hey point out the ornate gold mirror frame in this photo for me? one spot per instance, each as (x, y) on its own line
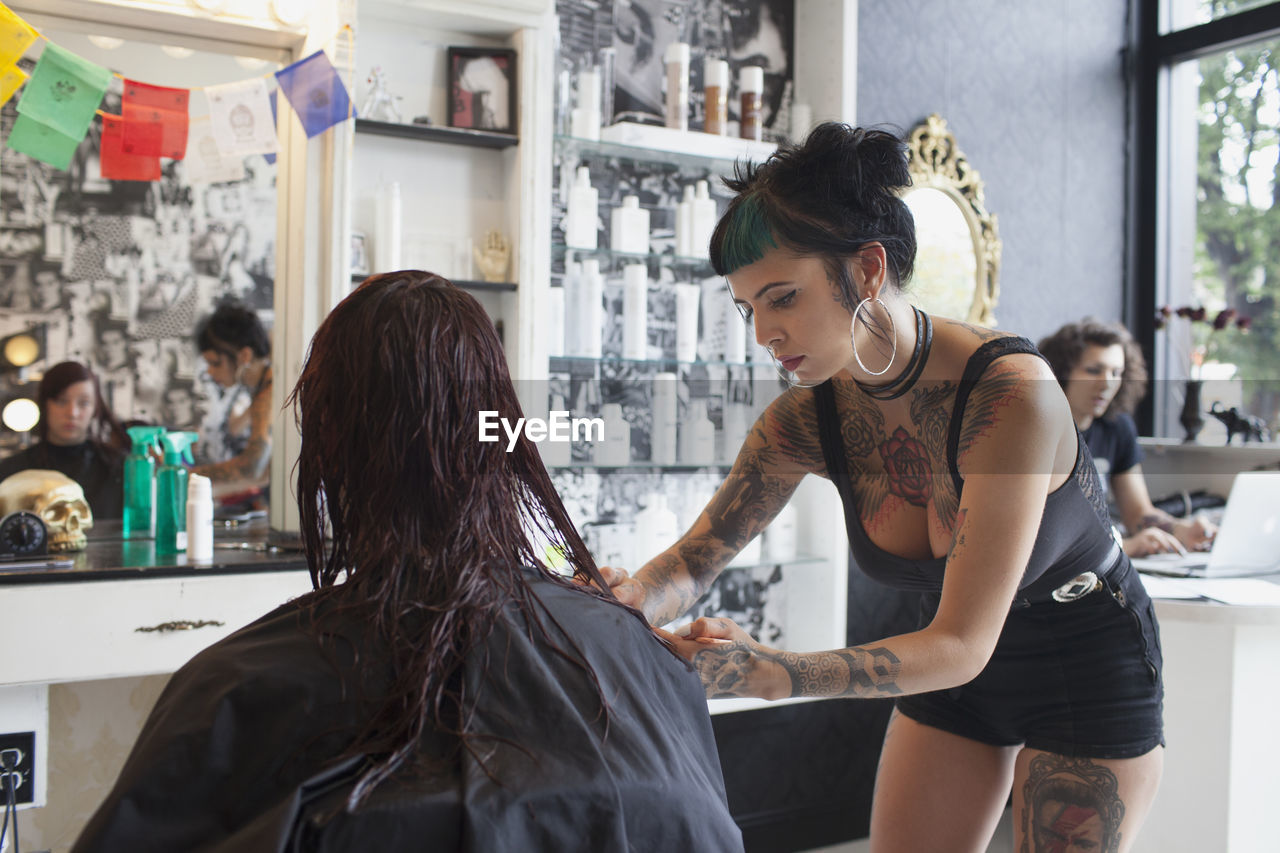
(936, 162)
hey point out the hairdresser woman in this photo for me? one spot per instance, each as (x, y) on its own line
(1035, 666)
(79, 436)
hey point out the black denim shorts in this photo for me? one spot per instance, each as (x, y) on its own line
(1078, 678)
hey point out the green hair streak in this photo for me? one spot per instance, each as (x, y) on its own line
(747, 236)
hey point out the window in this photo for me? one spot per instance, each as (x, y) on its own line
(1207, 223)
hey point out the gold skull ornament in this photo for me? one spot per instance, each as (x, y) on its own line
(56, 498)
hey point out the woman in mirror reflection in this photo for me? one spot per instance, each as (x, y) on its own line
(1104, 375)
(237, 352)
(1035, 666)
(79, 436)
(441, 688)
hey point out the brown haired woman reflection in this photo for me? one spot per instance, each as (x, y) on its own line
(440, 688)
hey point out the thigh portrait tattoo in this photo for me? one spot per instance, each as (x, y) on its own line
(1070, 805)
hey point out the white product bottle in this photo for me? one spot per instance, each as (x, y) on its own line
(629, 227)
(677, 59)
(688, 298)
(573, 298)
(656, 529)
(555, 322)
(199, 519)
(615, 450)
(581, 212)
(704, 220)
(684, 224)
(737, 420)
(585, 120)
(749, 555)
(665, 417)
(735, 334)
(635, 311)
(556, 453)
(780, 536)
(591, 311)
(751, 108)
(697, 436)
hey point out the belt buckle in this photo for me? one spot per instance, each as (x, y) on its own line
(1076, 588)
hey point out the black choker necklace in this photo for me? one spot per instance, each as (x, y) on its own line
(907, 378)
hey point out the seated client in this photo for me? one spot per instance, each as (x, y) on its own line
(79, 436)
(1101, 369)
(439, 688)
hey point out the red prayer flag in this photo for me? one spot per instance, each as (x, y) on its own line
(119, 165)
(155, 120)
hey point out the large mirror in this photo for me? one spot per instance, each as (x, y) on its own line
(958, 259)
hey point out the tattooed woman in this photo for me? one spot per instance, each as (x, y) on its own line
(1036, 663)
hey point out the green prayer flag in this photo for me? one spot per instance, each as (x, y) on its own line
(64, 91)
(42, 142)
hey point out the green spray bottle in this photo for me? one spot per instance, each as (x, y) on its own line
(171, 493)
(140, 483)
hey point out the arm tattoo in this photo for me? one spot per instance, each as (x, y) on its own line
(998, 388)
(1070, 804)
(859, 672)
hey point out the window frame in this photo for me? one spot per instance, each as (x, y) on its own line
(1153, 55)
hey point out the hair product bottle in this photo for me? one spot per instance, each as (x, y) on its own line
(751, 91)
(629, 227)
(697, 436)
(635, 311)
(677, 59)
(139, 520)
(715, 75)
(585, 121)
(688, 299)
(735, 335)
(556, 453)
(581, 212)
(615, 450)
(703, 221)
(591, 327)
(662, 447)
(684, 224)
(656, 529)
(199, 518)
(171, 493)
(780, 536)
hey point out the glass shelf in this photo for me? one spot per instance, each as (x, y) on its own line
(560, 252)
(567, 363)
(722, 163)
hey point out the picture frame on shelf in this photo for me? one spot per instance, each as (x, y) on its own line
(359, 253)
(482, 89)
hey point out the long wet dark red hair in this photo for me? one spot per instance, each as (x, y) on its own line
(428, 526)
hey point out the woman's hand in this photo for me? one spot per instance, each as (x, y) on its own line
(729, 662)
(1195, 533)
(625, 588)
(1152, 540)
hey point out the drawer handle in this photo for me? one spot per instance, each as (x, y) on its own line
(180, 625)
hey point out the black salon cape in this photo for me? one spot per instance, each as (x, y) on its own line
(238, 753)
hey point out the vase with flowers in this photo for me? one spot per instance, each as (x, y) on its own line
(1203, 349)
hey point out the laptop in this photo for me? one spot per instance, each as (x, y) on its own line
(1248, 540)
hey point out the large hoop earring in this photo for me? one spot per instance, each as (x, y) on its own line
(893, 330)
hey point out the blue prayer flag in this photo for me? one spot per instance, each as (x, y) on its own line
(316, 93)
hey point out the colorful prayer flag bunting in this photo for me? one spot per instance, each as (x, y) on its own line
(16, 36)
(205, 163)
(316, 93)
(64, 91)
(243, 117)
(11, 79)
(42, 142)
(118, 164)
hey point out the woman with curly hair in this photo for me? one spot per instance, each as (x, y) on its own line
(1035, 661)
(440, 688)
(1104, 375)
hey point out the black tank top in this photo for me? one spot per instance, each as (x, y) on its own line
(1075, 530)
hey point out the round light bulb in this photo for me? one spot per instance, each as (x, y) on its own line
(289, 12)
(106, 42)
(176, 52)
(21, 415)
(250, 62)
(21, 350)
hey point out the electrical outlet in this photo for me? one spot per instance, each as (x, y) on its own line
(21, 745)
